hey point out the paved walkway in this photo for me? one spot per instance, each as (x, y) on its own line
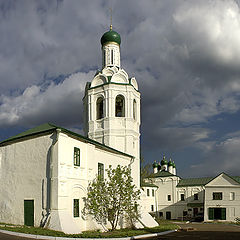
(204, 231)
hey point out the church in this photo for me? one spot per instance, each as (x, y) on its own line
(45, 171)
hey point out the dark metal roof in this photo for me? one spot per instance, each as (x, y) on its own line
(194, 181)
(161, 174)
(50, 128)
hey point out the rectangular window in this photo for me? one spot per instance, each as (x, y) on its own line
(217, 195)
(152, 208)
(160, 214)
(76, 207)
(153, 192)
(169, 197)
(101, 170)
(232, 196)
(196, 196)
(182, 197)
(148, 192)
(76, 156)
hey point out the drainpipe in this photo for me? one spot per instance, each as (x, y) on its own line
(51, 168)
(49, 182)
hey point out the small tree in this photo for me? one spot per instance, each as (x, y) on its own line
(112, 198)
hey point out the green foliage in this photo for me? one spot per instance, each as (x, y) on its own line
(146, 169)
(237, 219)
(91, 234)
(113, 198)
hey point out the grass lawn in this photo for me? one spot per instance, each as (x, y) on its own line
(165, 226)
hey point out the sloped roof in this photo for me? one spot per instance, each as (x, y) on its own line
(44, 128)
(144, 184)
(235, 178)
(49, 128)
(194, 181)
(161, 174)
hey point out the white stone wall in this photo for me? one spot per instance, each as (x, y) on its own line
(226, 186)
(148, 201)
(108, 51)
(24, 176)
(73, 180)
(121, 133)
(31, 166)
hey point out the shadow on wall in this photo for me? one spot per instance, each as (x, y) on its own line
(185, 209)
(46, 183)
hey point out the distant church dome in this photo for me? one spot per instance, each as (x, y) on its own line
(170, 163)
(164, 161)
(110, 36)
(155, 165)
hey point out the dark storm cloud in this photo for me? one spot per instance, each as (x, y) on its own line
(221, 156)
(185, 56)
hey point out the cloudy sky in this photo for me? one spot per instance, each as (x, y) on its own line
(184, 54)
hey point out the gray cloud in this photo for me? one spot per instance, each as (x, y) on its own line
(222, 156)
(184, 55)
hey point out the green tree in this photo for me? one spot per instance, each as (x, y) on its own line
(113, 198)
(146, 168)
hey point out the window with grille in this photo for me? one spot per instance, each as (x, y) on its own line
(217, 195)
(76, 160)
(101, 170)
(76, 207)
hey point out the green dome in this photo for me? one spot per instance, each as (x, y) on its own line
(170, 163)
(174, 165)
(164, 161)
(155, 165)
(110, 36)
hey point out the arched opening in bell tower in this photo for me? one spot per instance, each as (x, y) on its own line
(99, 107)
(134, 109)
(119, 106)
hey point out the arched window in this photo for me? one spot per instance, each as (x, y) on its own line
(112, 56)
(100, 108)
(119, 106)
(134, 109)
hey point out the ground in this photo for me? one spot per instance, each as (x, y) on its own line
(204, 231)
(190, 231)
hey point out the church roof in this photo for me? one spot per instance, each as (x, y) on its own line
(49, 128)
(161, 174)
(194, 181)
(202, 181)
(145, 184)
(110, 36)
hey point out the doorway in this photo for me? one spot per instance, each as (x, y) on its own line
(217, 213)
(195, 211)
(29, 212)
(168, 215)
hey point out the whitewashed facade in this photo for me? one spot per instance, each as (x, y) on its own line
(188, 199)
(46, 170)
(41, 168)
(222, 198)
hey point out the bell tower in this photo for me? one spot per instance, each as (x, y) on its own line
(112, 104)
